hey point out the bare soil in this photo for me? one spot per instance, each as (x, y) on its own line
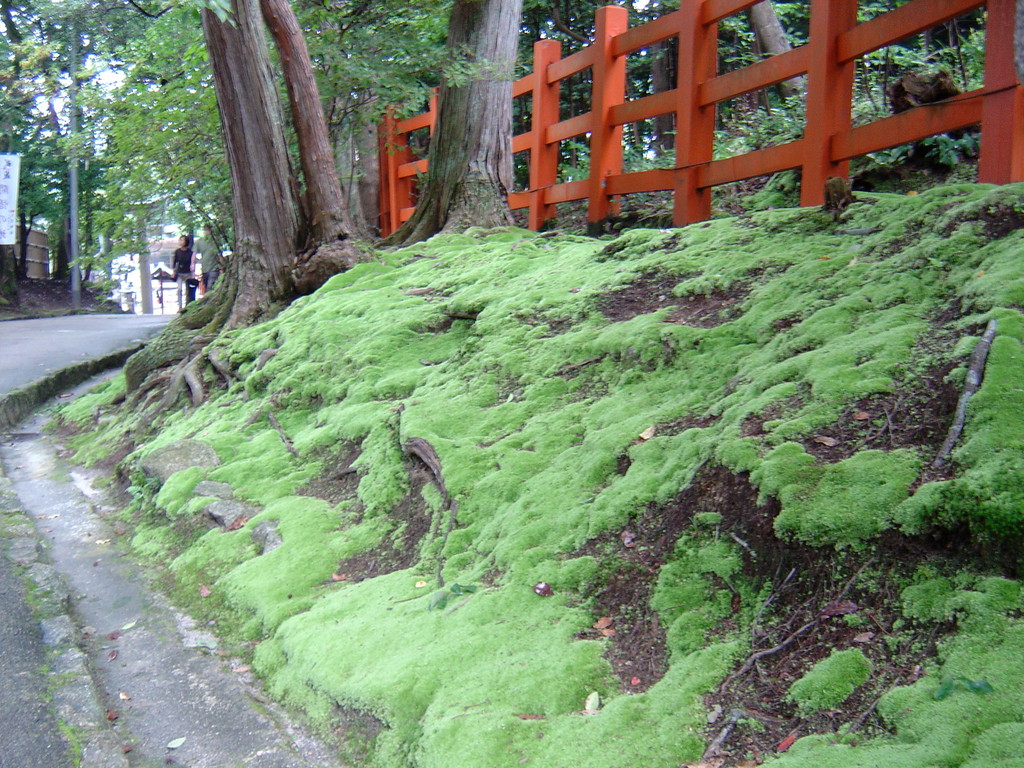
(52, 298)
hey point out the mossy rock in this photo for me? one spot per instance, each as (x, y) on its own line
(831, 681)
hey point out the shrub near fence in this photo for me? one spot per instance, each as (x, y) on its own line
(829, 139)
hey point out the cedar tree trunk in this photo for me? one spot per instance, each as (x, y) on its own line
(258, 272)
(470, 171)
(1018, 42)
(773, 41)
(324, 203)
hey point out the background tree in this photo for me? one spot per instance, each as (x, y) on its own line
(471, 157)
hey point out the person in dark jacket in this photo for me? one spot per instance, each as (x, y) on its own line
(184, 265)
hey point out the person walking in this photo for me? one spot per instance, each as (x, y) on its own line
(206, 249)
(184, 264)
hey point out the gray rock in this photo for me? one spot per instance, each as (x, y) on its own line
(184, 454)
(71, 662)
(226, 512)
(57, 631)
(214, 489)
(103, 751)
(76, 703)
(51, 584)
(266, 537)
(23, 551)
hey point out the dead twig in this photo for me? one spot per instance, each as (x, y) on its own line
(719, 740)
(284, 436)
(975, 373)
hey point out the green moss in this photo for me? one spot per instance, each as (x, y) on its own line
(831, 681)
(494, 347)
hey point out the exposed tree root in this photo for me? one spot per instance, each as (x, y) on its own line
(975, 373)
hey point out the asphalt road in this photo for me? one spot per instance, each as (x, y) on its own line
(30, 349)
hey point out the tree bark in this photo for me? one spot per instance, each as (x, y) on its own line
(1018, 42)
(327, 215)
(470, 170)
(258, 272)
(772, 39)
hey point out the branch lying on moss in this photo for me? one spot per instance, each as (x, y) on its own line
(975, 373)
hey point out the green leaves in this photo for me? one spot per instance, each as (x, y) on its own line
(949, 684)
(439, 600)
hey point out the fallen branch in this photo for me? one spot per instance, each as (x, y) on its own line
(284, 436)
(719, 740)
(975, 373)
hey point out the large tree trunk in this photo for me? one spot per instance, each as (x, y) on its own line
(772, 39)
(470, 170)
(1018, 42)
(324, 203)
(368, 183)
(257, 275)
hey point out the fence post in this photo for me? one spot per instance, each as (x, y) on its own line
(829, 96)
(695, 122)
(1002, 116)
(396, 193)
(543, 156)
(609, 89)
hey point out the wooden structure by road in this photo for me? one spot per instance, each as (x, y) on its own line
(829, 139)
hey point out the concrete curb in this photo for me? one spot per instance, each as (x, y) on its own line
(76, 698)
(17, 405)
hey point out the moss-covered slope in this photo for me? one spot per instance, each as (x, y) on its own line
(662, 428)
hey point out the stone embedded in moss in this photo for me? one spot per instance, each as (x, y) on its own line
(831, 681)
(174, 457)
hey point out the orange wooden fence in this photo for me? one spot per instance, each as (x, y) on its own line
(829, 141)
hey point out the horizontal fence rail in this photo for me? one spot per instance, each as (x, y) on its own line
(829, 141)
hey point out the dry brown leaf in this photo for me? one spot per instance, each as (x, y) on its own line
(112, 655)
(831, 442)
(864, 637)
(862, 416)
(421, 584)
(650, 432)
(604, 622)
(124, 696)
(242, 669)
(204, 591)
(237, 523)
(839, 608)
(340, 577)
(525, 716)
(607, 632)
(628, 538)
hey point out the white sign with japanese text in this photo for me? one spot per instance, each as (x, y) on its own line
(10, 165)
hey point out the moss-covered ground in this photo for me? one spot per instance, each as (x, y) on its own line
(707, 442)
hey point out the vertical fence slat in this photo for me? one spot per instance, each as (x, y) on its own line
(827, 136)
(829, 96)
(1002, 115)
(695, 123)
(609, 76)
(543, 156)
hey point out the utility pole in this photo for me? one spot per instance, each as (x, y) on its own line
(76, 275)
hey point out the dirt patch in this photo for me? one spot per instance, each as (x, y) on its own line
(401, 548)
(915, 416)
(805, 619)
(632, 558)
(708, 311)
(49, 298)
(648, 293)
(339, 480)
(652, 291)
(997, 221)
